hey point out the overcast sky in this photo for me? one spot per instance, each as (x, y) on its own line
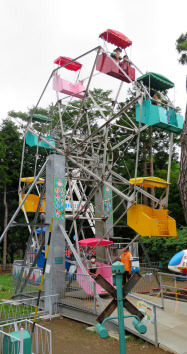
(34, 33)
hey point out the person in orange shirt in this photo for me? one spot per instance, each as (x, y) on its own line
(126, 259)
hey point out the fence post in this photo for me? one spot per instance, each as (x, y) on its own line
(155, 326)
(50, 352)
(162, 295)
(50, 306)
(21, 341)
(176, 298)
(94, 293)
(36, 340)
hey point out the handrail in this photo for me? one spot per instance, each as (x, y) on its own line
(139, 298)
(147, 301)
(10, 335)
(173, 287)
(173, 275)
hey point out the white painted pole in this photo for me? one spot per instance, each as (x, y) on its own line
(21, 341)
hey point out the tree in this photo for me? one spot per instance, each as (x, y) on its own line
(10, 154)
(181, 46)
(164, 248)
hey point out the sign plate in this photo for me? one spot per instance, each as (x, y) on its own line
(146, 310)
(108, 202)
(59, 198)
(59, 260)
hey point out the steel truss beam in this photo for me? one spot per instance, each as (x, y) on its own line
(23, 201)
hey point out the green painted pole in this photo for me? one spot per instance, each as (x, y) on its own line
(118, 269)
(119, 278)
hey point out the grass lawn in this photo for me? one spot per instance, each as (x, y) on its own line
(9, 310)
(5, 286)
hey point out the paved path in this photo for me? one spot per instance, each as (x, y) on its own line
(171, 324)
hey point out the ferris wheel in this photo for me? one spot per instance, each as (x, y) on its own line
(84, 134)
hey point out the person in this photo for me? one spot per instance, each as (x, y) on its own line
(126, 259)
(116, 54)
(93, 267)
(154, 96)
(125, 63)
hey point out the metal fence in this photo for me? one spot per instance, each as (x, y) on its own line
(146, 265)
(24, 309)
(77, 295)
(41, 343)
(173, 287)
(30, 280)
(151, 323)
(74, 294)
(148, 283)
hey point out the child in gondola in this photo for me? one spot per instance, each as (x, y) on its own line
(92, 267)
(116, 54)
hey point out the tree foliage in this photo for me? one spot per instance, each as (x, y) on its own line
(181, 46)
(164, 248)
(10, 154)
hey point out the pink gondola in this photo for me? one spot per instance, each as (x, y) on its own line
(64, 86)
(106, 65)
(104, 269)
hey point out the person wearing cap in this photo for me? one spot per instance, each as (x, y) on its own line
(126, 259)
(93, 267)
(116, 54)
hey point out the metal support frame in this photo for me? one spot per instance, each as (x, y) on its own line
(23, 201)
(86, 92)
(30, 239)
(137, 149)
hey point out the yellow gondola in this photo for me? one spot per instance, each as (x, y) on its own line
(31, 203)
(149, 182)
(32, 200)
(31, 179)
(148, 221)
